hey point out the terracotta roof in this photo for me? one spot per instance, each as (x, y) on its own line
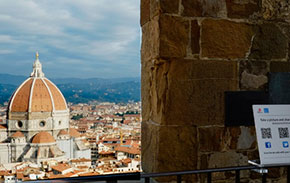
(131, 150)
(80, 160)
(17, 135)
(89, 174)
(43, 137)
(126, 161)
(82, 167)
(4, 172)
(106, 152)
(62, 132)
(52, 176)
(74, 133)
(61, 167)
(40, 92)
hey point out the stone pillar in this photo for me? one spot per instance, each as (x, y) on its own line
(192, 52)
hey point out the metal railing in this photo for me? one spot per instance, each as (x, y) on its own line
(209, 173)
(113, 178)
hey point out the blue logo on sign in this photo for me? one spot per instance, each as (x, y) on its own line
(285, 144)
(266, 110)
(268, 144)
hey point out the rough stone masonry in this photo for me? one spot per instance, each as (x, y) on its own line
(192, 52)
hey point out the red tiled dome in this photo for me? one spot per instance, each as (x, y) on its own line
(17, 135)
(37, 94)
(43, 137)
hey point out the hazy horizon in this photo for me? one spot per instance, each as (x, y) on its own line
(19, 75)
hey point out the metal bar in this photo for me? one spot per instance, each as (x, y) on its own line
(112, 181)
(178, 178)
(147, 179)
(237, 176)
(264, 178)
(208, 177)
(198, 171)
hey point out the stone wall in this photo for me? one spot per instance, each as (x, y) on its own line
(192, 52)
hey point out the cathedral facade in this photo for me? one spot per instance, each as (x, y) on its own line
(38, 124)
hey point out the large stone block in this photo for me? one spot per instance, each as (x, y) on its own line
(169, 6)
(195, 93)
(145, 11)
(159, 90)
(146, 89)
(225, 159)
(186, 69)
(192, 8)
(150, 40)
(205, 8)
(269, 43)
(190, 91)
(211, 138)
(243, 9)
(198, 102)
(150, 145)
(225, 39)
(174, 36)
(168, 148)
(158, 7)
(179, 145)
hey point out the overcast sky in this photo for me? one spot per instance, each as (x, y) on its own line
(74, 38)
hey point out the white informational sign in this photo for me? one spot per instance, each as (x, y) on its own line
(272, 124)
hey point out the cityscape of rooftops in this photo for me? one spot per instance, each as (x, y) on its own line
(70, 89)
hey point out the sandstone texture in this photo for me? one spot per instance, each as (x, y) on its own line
(169, 142)
(145, 12)
(269, 43)
(194, 82)
(174, 38)
(243, 9)
(169, 6)
(225, 39)
(193, 51)
(205, 8)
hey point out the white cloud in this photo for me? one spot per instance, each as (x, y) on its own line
(78, 30)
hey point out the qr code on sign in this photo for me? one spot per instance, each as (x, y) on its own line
(266, 133)
(283, 132)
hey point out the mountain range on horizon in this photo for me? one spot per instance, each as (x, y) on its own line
(77, 90)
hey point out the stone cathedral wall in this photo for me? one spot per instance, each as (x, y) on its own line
(192, 52)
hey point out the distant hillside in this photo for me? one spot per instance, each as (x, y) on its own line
(6, 91)
(78, 90)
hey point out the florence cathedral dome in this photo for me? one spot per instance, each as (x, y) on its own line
(37, 94)
(38, 123)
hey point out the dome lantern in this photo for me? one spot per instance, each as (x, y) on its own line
(37, 68)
